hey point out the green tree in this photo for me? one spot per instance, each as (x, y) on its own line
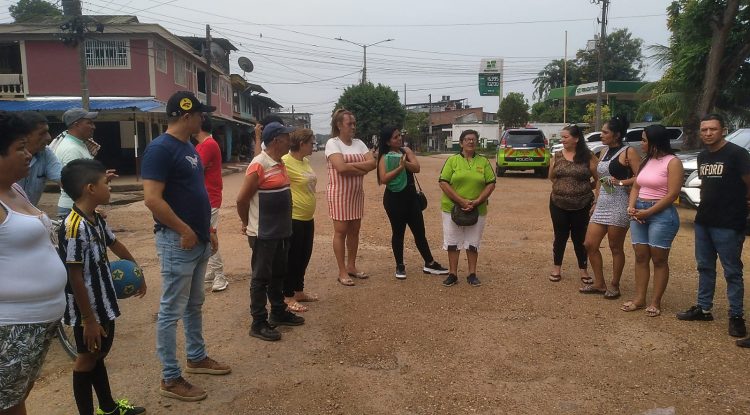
(416, 124)
(707, 64)
(590, 114)
(514, 110)
(553, 76)
(374, 107)
(29, 10)
(623, 60)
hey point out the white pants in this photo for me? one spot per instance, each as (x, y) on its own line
(215, 267)
(462, 237)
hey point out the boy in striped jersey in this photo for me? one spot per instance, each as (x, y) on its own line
(91, 303)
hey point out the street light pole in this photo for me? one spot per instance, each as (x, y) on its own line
(364, 49)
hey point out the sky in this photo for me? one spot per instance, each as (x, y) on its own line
(436, 48)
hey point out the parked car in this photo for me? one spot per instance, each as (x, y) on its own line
(523, 149)
(634, 135)
(690, 193)
(593, 141)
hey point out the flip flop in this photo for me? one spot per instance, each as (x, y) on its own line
(359, 275)
(306, 298)
(652, 311)
(345, 281)
(612, 294)
(631, 306)
(555, 277)
(590, 289)
(587, 280)
(295, 307)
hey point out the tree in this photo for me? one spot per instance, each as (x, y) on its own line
(706, 65)
(590, 114)
(514, 110)
(416, 124)
(374, 107)
(28, 10)
(553, 76)
(623, 59)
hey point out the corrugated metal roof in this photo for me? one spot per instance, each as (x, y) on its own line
(145, 105)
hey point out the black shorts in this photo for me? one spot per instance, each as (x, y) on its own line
(106, 343)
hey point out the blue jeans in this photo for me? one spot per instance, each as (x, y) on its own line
(658, 230)
(182, 296)
(727, 244)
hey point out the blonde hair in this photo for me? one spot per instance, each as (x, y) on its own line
(338, 116)
(300, 136)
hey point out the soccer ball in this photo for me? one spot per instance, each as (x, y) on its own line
(127, 278)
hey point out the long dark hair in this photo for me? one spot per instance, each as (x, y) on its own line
(583, 154)
(383, 147)
(619, 124)
(658, 143)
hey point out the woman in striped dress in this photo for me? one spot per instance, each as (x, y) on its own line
(349, 160)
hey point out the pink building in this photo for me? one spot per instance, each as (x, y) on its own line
(132, 68)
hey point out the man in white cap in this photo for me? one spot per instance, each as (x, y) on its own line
(80, 124)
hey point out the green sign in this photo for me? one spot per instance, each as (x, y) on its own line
(489, 84)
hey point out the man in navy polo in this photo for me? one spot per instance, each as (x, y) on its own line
(174, 192)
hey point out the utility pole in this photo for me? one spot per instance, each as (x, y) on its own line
(364, 47)
(429, 119)
(565, 82)
(77, 26)
(600, 65)
(209, 74)
(404, 94)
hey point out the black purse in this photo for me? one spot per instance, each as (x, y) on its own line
(420, 195)
(463, 217)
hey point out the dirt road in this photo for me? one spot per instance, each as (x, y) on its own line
(517, 345)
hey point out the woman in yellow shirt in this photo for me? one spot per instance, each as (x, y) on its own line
(303, 181)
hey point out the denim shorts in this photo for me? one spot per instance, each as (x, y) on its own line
(660, 228)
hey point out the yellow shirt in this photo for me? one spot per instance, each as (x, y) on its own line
(303, 181)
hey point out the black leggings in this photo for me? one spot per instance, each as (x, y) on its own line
(403, 209)
(571, 223)
(300, 251)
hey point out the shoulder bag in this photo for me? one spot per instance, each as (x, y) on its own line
(420, 195)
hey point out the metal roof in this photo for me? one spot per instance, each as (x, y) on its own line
(144, 105)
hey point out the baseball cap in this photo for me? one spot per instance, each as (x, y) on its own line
(74, 114)
(184, 102)
(274, 129)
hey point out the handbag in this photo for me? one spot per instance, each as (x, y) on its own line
(464, 217)
(420, 195)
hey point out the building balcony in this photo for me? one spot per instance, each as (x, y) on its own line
(11, 86)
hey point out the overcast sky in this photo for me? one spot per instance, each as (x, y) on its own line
(436, 48)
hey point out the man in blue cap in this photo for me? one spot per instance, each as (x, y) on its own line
(264, 204)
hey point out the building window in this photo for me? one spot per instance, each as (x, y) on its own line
(180, 70)
(161, 58)
(224, 92)
(103, 54)
(214, 84)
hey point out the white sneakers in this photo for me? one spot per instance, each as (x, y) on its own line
(220, 284)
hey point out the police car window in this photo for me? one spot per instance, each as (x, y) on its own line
(525, 138)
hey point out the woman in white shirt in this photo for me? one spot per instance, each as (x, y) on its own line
(32, 276)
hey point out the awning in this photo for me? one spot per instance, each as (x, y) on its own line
(144, 105)
(233, 120)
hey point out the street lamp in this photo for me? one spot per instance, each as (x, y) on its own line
(364, 47)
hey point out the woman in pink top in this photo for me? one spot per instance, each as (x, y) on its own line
(654, 220)
(349, 160)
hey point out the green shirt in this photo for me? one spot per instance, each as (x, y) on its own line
(392, 160)
(468, 178)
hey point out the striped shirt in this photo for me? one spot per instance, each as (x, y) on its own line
(345, 194)
(85, 243)
(270, 214)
